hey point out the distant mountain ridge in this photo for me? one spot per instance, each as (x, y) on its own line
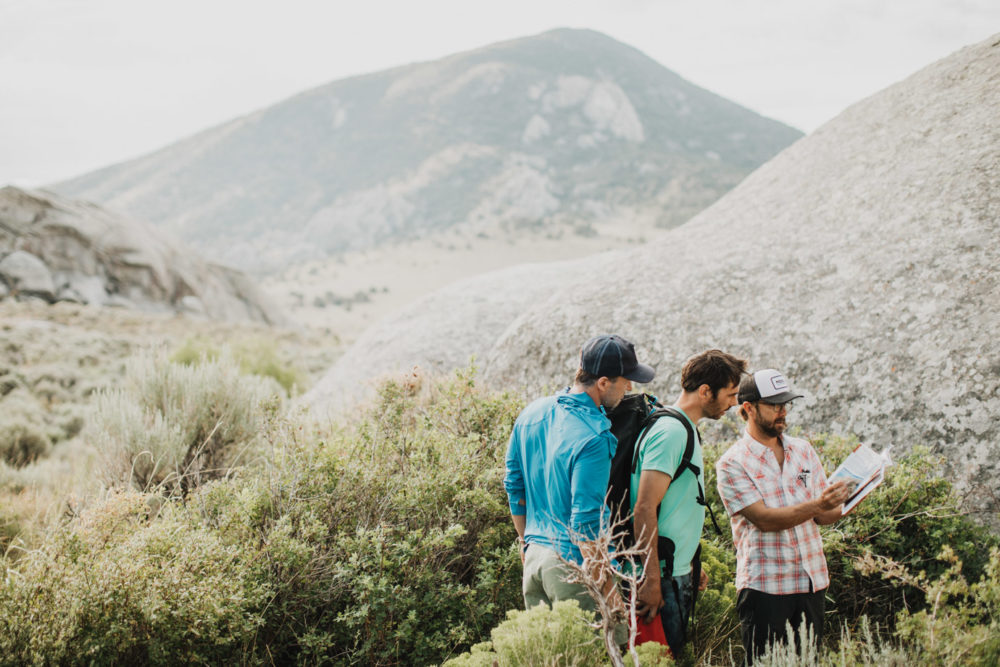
(535, 134)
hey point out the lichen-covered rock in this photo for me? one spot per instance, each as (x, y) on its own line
(862, 261)
(58, 249)
(27, 274)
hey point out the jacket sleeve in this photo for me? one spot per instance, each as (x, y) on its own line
(513, 481)
(588, 487)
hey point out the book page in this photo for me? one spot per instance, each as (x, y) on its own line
(857, 469)
(860, 493)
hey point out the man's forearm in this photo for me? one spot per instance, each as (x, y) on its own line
(647, 537)
(520, 522)
(774, 519)
(829, 516)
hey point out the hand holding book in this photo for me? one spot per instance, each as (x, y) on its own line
(862, 471)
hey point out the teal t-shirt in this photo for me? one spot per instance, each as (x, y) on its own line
(681, 516)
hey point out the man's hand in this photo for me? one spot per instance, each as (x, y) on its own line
(833, 496)
(649, 598)
(703, 582)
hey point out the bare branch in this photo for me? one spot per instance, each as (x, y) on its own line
(604, 559)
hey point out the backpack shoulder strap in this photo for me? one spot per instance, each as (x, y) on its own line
(655, 411)
(688, 447)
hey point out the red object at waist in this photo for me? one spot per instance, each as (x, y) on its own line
(650, 632)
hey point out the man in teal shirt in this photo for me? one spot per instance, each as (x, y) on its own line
(709, 383)
(558, 464)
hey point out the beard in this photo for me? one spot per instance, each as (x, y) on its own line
(772, 428)
(715, 409)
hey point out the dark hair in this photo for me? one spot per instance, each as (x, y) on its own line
(713, 367)
(585, 379)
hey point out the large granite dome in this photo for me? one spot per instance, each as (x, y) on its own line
(861, 261)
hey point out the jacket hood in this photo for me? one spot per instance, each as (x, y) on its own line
(583, 406)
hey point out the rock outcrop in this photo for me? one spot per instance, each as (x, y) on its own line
(56, 249)
(862, 261)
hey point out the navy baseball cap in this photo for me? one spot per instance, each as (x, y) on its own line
(612, 357)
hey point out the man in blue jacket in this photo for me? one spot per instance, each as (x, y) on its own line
(558, 464)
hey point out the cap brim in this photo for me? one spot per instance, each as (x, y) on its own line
(783, 397)
(642, 373)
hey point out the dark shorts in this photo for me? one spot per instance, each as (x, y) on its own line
(763, 617)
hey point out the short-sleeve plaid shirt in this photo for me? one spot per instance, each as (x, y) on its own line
(781, 562)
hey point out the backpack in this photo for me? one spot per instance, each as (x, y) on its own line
(630, 419)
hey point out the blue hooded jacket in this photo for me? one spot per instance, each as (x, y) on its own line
(558, 464)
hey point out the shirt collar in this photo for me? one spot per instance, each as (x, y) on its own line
(759, 449)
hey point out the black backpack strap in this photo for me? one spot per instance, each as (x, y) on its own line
(695, 583)
(686, 460)
(655, 412)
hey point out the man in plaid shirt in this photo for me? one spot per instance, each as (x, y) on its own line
(775, 490)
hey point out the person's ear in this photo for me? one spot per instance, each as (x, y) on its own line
(705, 393)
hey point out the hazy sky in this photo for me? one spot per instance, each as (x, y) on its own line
(86, 83)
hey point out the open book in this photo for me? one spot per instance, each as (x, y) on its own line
(863, 470)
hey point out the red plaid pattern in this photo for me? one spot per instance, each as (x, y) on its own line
(785, 561)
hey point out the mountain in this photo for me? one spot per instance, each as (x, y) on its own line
(539, 135)
(862, 262)
(56, 249)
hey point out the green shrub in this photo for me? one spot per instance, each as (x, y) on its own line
(259, 356)
(9, 381)
(909, 519)
(558, 636)
(715, 629)
(960, 624)
(10, 528)
(22, 442)
(386, 543)
(195, 351)
(255, 356)
(175, 426)
(117, 587)
(389, 542)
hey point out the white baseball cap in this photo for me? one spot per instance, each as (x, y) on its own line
(767, 386)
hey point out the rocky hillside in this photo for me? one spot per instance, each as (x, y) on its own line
(861, 261)
(55, 249)
(546, 135)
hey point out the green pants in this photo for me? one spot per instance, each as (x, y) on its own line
(545, 581)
